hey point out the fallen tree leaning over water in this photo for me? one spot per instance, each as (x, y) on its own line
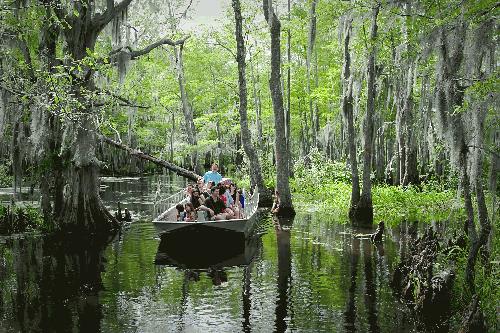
(139, 154)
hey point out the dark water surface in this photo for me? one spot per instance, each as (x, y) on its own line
(305, 275)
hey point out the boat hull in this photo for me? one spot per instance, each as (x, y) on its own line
(236, 225)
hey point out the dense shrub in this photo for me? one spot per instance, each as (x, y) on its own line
(19, 219)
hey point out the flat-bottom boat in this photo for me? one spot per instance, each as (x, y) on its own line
(167, 222)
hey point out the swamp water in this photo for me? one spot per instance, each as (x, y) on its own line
(305, 275)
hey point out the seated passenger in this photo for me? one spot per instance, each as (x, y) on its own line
(180, 212)
(222, 191)
(190, 215)
(214, 206)
(212, 175)
(200, 185)
(189, 191)
(237, 203)
(229, 198)
(196, 199)
(208, 190)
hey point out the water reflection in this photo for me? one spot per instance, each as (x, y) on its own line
(51, 285)
(206, 249)
(312, 274)
(283, 240)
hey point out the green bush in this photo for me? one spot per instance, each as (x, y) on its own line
(20, 219)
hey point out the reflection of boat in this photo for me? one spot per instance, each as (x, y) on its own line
(166, 221)
(204, 247)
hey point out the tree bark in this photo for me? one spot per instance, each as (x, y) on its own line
(255, 169)
(310, 48)
(282, 157)
(256, 95)
(363, 213)
(347, 111)
(188, 113)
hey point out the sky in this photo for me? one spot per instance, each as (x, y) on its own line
(205, 12)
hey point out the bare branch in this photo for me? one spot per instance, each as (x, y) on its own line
(125, 101)
(184, 13)
(149, 48)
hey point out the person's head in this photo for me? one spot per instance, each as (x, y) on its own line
(189, 189)
(210, 184)
(214, 167)
(196, 193)
(200, 183)
(232, 186)
(215, 192)
(180, 208)
(189, 207)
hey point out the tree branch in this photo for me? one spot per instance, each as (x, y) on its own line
(124, 100)
(101, 20)
(134, 54)
(139, 154)
(149, 48)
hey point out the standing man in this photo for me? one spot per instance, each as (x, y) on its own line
(213, 175)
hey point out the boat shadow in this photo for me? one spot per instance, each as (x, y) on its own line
(203, 248)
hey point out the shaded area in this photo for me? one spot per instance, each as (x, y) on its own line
(311, 275)
(201, 247)
(51, 285)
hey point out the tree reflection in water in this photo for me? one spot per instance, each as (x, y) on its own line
(53, 284)
(362, 248)
(282, 227)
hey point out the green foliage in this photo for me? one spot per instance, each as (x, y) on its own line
(326, 186)
(20, 219)
(395, 204)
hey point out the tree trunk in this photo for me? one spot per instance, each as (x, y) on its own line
(411, 172)
(310, 48)
(363, 212)
(288, 91)
(255, 169)
(347, 111)
(188, 113)
(256, 95)
(282, 157)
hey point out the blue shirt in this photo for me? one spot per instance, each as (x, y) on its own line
(212, 176)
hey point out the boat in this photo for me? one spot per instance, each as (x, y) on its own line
(166, 221)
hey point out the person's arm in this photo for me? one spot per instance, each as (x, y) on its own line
(206, 209)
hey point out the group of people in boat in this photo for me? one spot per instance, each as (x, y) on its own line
(212, 198)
